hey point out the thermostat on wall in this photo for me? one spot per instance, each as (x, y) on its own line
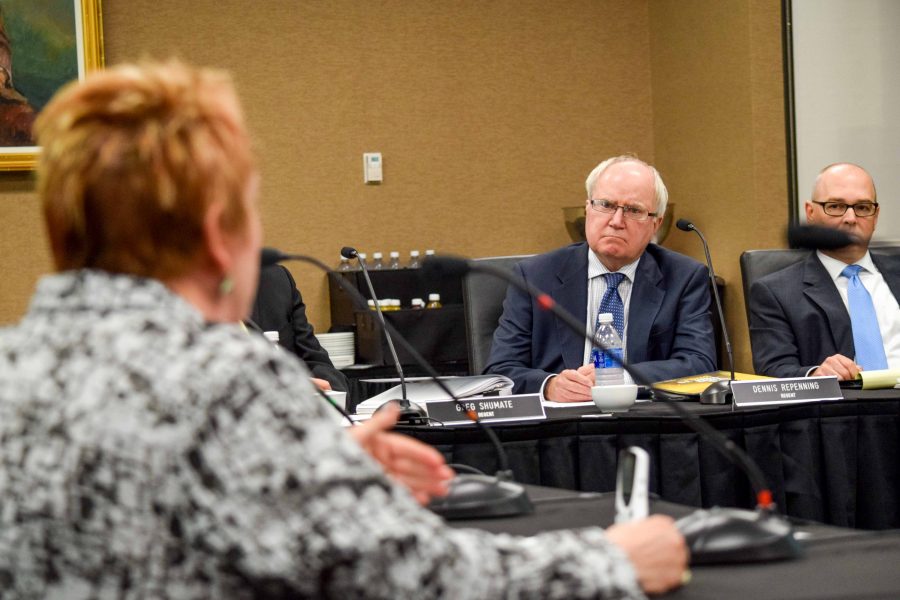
(372, 172)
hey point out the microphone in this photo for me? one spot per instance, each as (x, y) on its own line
(718, 535)
(720, 391)
(816, 237)
(410, 412)
(271, 256)
(470, 496)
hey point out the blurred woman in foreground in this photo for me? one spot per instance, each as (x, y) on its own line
(150, 448)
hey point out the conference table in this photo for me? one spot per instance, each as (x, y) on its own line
(832, 462)
(836, 564)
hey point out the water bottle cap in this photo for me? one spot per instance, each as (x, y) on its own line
(434, 297)
(370, 303)
(605, 318)
(376, 255)
(416, 301)
(413, 252)
(362, 255)
(395, 254)
(429, 253)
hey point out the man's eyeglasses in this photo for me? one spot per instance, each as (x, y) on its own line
(837, 209)
(632, 213)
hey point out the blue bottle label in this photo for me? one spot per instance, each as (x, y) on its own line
(611, 358)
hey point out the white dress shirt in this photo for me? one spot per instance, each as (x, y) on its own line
(887, 311)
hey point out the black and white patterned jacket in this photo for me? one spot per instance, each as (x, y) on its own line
(149, 454)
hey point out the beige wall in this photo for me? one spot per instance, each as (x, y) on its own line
(488, 114)
(23, 250)
(719, 133)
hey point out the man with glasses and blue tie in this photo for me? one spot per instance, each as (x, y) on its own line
(660, 300)
(836, 312)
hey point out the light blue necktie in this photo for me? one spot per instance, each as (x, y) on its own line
(611, 303)
(866, 334)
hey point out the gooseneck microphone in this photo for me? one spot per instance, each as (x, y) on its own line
(410, 413)
(719, 535)
(271, 256)
(816, 237)
(720, 391)
(470, 496)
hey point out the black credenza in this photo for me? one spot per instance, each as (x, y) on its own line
(439, 334)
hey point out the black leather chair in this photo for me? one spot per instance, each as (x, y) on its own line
(756, 264)
(483, 296)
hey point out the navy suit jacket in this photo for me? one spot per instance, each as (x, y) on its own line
(797, 317)
(669, 334)
(279, 307)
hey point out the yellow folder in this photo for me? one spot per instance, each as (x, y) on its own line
(693, 385)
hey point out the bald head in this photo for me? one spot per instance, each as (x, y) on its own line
(842, 173)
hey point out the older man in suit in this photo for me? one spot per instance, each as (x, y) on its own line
(836, 312)
(660, 299)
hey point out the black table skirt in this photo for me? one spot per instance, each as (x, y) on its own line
(834, 462)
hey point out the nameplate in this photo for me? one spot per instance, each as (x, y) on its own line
(795, 390)
(490, 409)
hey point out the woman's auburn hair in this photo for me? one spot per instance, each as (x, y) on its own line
(131, 160)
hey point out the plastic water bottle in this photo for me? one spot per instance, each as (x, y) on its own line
(344, 265)
(608, 360)
(434, 301)
(395, 260)
(377, 261)
(414, 262)
(362, 255)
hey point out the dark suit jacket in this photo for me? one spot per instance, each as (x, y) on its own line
(279, 307)
(670, 332)
(797, 317)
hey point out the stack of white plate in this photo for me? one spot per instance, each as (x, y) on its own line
(339, 347)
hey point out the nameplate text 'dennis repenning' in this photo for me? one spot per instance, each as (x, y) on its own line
(786, 391)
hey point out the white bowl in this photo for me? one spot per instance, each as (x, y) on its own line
(614, 398)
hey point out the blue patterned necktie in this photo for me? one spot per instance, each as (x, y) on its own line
(611, 303)
(866, 334)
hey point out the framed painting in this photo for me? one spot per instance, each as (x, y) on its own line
(44, 44)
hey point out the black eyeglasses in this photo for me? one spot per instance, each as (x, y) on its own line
(633, 213)
(837, 209)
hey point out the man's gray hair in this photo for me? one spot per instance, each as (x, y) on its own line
(662, 194)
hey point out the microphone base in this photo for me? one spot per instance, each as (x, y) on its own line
(733, 536)
(410, 412)
(717, 393)
(482, 497)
